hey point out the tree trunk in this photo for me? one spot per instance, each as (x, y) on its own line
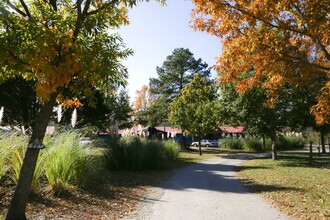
(199, 147)
(20, 198)
(322, 142)
(310, 152)
(274, 151)
(263, 142)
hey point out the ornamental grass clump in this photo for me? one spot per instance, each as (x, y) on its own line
(134, 153)
(7, 143)
(231, 144)
(170, 149)
(12, 150)
(252, 144)
(285, 142)
(68, 163)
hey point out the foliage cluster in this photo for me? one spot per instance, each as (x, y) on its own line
(135, 153)
(177, 71)
(283, 42)
(64, 163)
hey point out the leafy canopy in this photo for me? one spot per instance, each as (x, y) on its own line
(195, 110)
(284, 42)
(177, 71)
(63, 44)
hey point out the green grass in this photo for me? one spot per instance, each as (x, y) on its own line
(296, 187)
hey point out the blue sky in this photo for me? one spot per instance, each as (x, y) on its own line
(155, 31)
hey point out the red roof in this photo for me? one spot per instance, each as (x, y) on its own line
(238, 129)
(136, 130)
(169, 129)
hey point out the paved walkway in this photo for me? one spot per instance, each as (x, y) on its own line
(207, 190)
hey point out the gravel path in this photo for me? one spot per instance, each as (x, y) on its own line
(207, 190)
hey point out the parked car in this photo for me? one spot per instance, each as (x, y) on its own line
(206, 143)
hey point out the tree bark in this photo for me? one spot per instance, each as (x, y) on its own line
(20, 198)
(323, 142)
(199, 147)
(274, 151)
(310, 152)
(263, 142)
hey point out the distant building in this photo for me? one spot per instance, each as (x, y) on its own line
(231, 132)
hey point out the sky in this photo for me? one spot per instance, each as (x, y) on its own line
(155, 31)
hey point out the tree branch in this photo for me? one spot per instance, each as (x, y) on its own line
(78, 21)
(102, 7)
(53, 3)
(16, 9)
(25, 8)
(264, 20)
(315, 39)
(87, 5)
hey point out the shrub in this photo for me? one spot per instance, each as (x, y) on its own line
(252, 144)
(231, 144)
(134, 153)
(152, 155)
(284, 143)
(125, 154)
(171, 150)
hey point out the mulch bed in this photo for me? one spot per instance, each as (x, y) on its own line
(115, 197)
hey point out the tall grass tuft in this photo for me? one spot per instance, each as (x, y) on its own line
(231, 144)
(68, 163)
(6, 148)
(13, 147)
(134, 153)
(252, 144)
(284, 142)
(171, 150)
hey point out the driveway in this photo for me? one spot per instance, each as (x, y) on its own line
(207, 190)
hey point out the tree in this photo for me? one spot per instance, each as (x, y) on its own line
(142, 98)
(176, 72)
(195, 110)
(285, 41)
(250, 110)
(143, 102)
(60, 45)
(121, 110)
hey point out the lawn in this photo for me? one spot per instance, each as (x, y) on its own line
(299, 189)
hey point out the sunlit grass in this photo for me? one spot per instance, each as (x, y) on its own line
(68, 163)
(297, 188)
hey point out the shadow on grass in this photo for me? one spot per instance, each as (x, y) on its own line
(301, 159)
(261, 188)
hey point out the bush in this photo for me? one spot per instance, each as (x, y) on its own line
(252, 144)
(135, 153)
(124, 154)
(171, 150)
(284, 143)
(231, 144)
